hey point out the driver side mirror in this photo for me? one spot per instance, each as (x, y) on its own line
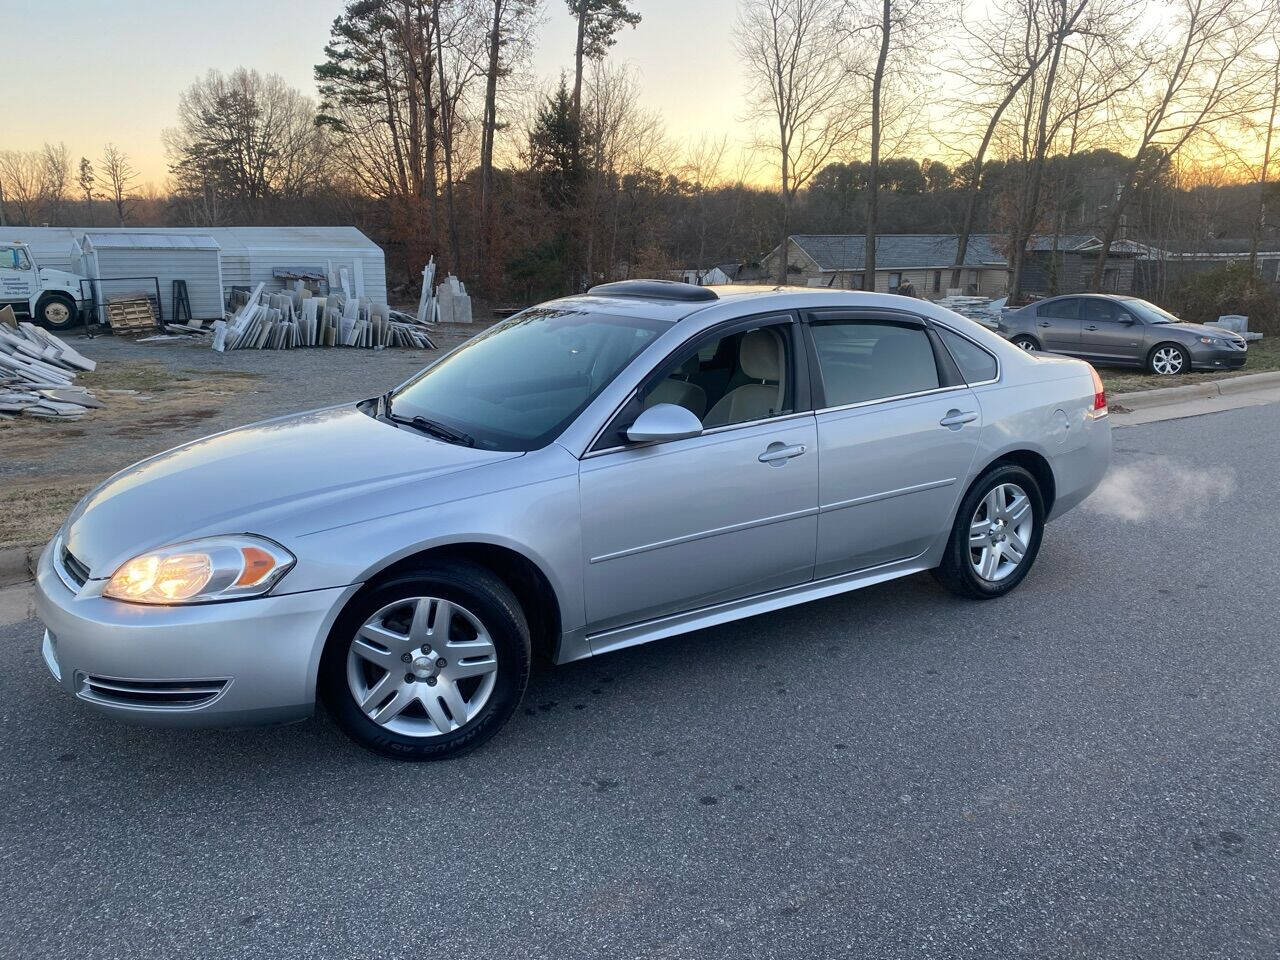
(664, 421)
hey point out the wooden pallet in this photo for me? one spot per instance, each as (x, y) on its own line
(131, 316)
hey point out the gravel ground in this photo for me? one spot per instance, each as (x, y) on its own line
(1086, 768)
(176, 391)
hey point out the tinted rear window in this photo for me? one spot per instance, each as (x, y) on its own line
(1065, 309)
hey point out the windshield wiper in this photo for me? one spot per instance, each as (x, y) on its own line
(436, 429)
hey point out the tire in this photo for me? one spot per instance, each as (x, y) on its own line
(481, 608)
(1168, 360)
(1024, 342)
(57, 312)
(957, 571)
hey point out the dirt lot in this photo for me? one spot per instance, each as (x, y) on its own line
(161, 394)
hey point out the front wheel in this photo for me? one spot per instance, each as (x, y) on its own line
(1168, 360)
(428, 664)
(57, 312)
(996, 535)
(1026, 343)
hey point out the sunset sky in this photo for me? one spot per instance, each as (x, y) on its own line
(93, 72)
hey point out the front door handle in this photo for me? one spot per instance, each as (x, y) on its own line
(778, 452)
(1091, 327)
(957, 418)
(1044, 323)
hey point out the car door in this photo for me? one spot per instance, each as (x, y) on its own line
(897, 431)
(17, 277)
(674, 526)
(1058, 324)
(1109, 332)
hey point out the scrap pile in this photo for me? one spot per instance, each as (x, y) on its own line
(982, 309)
(296, 318)
(447, 303)
(37, 371)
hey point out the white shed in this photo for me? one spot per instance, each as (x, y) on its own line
(270, 255)
(122, 262)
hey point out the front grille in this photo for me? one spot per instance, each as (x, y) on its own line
(76, 570)
(174, 694)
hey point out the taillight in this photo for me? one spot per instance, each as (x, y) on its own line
(1099, 408)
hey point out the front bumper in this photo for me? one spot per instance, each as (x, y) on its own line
(1208, 358)
(235, 663)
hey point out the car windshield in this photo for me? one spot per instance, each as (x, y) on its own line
(1150, 312)
(518, 385)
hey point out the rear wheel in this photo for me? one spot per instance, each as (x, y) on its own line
(56, 312)
(1168, 360)
(429, 664)
(996, 535)
(1023, 342)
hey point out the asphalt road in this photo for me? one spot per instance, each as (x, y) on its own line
(1087, 768)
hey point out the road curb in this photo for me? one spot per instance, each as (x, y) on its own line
(1144, 399)
(18, 564)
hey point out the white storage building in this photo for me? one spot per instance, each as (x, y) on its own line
(150, 263)
(246, 256)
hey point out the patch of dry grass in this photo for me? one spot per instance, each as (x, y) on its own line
(54, 462)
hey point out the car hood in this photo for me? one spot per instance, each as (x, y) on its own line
(280, 478)
(1195, 329)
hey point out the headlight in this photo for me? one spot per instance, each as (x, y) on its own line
(199, 571)
(1215, 341)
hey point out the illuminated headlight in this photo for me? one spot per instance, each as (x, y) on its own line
(200, 571)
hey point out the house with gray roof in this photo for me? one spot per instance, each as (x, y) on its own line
(1054, 265)
(926, 259)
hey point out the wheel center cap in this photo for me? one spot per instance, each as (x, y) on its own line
(422, 666)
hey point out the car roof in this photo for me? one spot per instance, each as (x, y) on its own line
(735, 297)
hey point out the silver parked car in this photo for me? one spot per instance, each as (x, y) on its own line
(593, 473)
(1123, 331)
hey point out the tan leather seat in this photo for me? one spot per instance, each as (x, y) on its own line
(678, 390)
(760, 356)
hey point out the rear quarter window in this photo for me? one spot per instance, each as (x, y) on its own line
(976, 365)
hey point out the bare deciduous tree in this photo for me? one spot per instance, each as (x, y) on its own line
(120, 177)
(1201, 78)
(248, 139)
(888, 39)
(792, 56)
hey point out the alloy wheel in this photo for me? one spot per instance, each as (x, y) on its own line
(422, 666)
(1026, 343)
(1000, 532)
(1167, 361)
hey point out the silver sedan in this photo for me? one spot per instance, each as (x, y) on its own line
(593, 473)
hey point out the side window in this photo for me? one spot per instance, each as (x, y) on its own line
(1065, 309)
(736, 378)
(975, 363)
(14, 258)
(1096, 309)
(867, 360)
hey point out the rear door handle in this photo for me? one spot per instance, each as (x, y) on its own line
(777, 452)
(1044, 323)
(956, 418)
(1091, 327)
